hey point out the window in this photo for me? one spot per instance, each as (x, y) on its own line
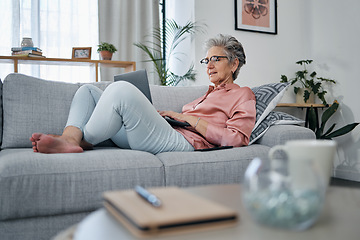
(56, 26)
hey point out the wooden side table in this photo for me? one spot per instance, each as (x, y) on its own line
(307, 106)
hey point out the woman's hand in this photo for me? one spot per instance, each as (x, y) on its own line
(197, 123)
(177, 116)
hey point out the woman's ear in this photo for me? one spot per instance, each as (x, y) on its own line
(235, 65)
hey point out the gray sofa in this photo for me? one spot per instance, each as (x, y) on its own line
(41, 194)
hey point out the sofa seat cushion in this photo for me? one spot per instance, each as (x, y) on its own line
(35, 184)
(212, 167)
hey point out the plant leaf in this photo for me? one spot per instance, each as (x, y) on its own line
(296, 90)
(306, 95)
(284, 79)
(313, 74)
(312, 119)
(321, 96)
(326, 80)
(342, 130)
(330, 129)
(328, 113)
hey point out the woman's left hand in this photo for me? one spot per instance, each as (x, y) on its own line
(198, 124)
(177, 116)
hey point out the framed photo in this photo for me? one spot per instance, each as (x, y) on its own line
(81, 52)
(256, 16)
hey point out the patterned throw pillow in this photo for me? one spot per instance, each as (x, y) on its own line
(273, 118)
(267, 97)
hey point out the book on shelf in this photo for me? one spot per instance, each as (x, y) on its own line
(28, 55)
(18, 49)
(26, 52)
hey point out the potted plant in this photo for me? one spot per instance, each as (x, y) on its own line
(106, 50)
(329, 133)
(308, 85)
(162, 48)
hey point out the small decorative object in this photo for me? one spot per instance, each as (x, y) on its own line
(274, 198)
(81, 52)
(27, 42)
(106, 50)
(256, 16)
(310, 84)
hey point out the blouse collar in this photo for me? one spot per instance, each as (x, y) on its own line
(226, 86)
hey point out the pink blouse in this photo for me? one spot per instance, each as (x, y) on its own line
(230, 112)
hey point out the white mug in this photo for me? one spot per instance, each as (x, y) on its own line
(320, 153)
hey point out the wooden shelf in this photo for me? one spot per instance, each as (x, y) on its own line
(307, 106)
(127, 65)
(301, 105)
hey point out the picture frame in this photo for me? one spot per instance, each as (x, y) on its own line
(81, 52)
(256, 16)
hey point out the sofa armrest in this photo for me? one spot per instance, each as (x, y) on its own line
(279, 134)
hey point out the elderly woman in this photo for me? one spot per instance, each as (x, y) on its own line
(224, 116)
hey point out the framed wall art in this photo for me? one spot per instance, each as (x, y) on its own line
(256, 16)
(81, 52)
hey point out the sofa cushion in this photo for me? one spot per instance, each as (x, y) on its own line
(34, 105)
(35, 184)
(213, 167)
(273, 118)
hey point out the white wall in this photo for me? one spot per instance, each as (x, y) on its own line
(324, 30)
(335, 46)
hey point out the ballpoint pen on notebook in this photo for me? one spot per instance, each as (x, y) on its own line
(149, 197)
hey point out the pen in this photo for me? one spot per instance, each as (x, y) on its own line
(150, 198)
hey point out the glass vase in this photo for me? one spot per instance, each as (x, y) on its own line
(273, 198)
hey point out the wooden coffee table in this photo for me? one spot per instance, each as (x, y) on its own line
(340, 219)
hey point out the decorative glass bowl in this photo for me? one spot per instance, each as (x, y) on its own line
(273, 198)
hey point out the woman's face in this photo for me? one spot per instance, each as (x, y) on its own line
(220, 71)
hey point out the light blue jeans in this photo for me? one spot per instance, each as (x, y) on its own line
(124, 115)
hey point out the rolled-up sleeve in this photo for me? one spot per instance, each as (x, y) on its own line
(238, 127)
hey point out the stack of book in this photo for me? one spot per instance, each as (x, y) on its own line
(26, 52)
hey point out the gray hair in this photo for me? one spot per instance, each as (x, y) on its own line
(232, 47)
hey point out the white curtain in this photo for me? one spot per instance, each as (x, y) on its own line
(123, 23)
(56, 26)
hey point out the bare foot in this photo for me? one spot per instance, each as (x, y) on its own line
(44, 143)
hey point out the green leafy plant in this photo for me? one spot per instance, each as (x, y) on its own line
(103, 46)
(310, 82)
(329, 133)
(169, 38)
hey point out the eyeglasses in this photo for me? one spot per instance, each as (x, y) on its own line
(213, 59)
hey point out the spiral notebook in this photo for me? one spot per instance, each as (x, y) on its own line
(180, 212)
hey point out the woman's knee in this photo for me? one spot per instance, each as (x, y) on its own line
(122, 89)
(90, 90)
(89, 87)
